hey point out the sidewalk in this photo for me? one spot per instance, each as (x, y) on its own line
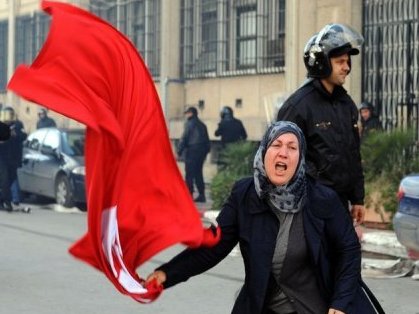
(382, 242)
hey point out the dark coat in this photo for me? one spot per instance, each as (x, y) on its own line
(4, 131)
(46, 122)
(194, 138)
(231, 130)
(246, 219)
(330, 125)
(11, 150)
(373, 123)
(17, 142)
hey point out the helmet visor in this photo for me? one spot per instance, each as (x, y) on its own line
(338, 38)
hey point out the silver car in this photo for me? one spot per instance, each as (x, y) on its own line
(406, 220)
(53, 165)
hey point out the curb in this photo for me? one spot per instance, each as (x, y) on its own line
(383, 242)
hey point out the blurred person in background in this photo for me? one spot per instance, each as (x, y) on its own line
(44, 121)
(369, 122)
(195, 144)
(229, 128)
(11, 159)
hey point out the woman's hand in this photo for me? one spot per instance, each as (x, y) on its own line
(333, 311)
(159, 275)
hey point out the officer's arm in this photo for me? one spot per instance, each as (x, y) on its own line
(184, 139)
(4, 131)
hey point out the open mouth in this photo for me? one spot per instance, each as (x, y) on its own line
(280, 166)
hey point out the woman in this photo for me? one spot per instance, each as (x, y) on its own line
(300, 250)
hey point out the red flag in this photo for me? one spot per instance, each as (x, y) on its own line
(138, 203)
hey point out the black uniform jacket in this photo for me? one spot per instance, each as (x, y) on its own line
(246, 219)
(372, 124)
(231, 130)
(330, 125)
(195, 136)
(4, 131)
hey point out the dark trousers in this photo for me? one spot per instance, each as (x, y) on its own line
(15, 191)
(6, 177)
(194, 162)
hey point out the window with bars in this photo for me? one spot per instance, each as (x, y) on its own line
(246, 36)
(25, 40)
(275, 44)
(3, 55)
(41, 25)
(139, 20)
(31, 32)
(107, 10)
(209, 35)
(187, 37)
(390, 69)
(222, 37)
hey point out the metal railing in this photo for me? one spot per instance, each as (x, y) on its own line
(391, 61)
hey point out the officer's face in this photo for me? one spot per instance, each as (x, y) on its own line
(340, 69)
(188, 115)
(365, 114)
(281, 159)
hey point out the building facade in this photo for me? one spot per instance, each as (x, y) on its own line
(246, 54)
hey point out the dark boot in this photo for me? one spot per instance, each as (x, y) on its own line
(8, 206)
(200, 199)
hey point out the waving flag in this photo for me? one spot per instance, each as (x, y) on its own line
(138, 203)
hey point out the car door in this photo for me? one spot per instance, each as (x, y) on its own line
(48, 163)
(31, 154)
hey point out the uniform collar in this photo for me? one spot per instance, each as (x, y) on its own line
(337, 91)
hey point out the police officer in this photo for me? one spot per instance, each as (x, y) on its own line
(195, 144)
(10, 156)
(44, 121)
(369, 121)
(229, 128)
(328, 116)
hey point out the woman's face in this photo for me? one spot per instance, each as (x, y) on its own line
(281, 159)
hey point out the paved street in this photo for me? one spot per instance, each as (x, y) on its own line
(39, 276)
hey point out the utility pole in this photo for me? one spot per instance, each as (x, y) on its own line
(11, 44)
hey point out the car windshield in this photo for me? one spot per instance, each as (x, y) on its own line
(73, 143)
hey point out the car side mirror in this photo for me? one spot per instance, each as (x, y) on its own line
(48, 150)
